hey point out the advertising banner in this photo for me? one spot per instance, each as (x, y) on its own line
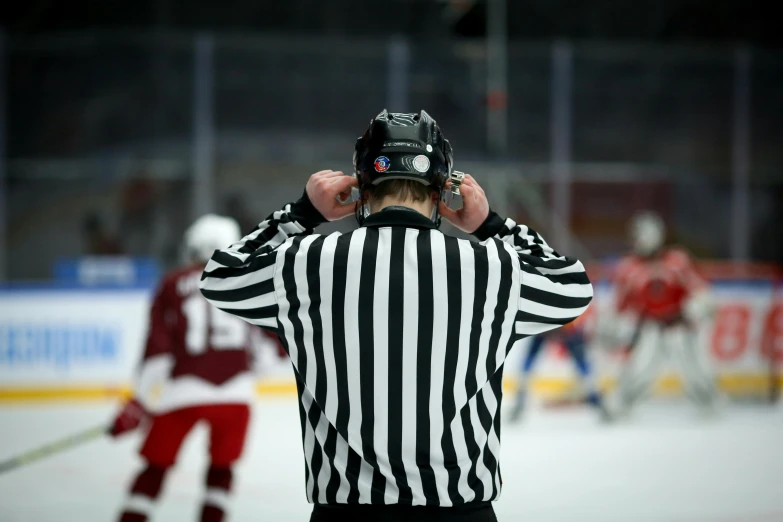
(93, 338)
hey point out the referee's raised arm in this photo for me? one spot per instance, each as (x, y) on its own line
(553, 290)
(398, 333)
(240, 279)
(549, 290)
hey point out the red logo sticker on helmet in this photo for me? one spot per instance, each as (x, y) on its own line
(382, 164)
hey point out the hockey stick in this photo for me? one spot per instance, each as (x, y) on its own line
(563, 402)
(53, 448)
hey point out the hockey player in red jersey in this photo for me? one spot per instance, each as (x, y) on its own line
(201, 356)
(660, 293)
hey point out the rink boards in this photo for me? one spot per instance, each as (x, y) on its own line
(84, 344)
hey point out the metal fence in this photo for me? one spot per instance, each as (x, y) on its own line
(114, 142)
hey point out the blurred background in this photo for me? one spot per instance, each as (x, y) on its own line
(122, 121)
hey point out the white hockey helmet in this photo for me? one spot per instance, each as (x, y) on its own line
(208, 233)
(647, 233)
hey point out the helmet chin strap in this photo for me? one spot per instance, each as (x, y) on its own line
(359, 211)
(437, 218)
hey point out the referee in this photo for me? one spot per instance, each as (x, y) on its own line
(398, 333)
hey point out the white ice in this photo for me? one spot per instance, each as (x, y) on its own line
(665, 465)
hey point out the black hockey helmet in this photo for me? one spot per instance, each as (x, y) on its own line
(403, 146)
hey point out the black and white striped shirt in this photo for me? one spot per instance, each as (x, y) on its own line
(398, 335)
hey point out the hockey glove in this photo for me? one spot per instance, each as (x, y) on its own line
(129, 418)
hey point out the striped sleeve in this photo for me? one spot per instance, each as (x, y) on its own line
(240, 279)
(554, 290)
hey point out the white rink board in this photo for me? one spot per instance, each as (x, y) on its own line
(71, 336)
(83, 337)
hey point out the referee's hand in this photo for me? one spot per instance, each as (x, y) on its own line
(475, 207)
(323, 188)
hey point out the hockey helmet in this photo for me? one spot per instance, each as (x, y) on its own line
(208, 233)
(403, 146)
(647, 233)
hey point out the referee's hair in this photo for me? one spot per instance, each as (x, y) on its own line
(402, 189)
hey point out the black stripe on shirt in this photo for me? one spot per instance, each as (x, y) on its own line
(241, 294)
(424, 367)
(490, 459)
(254, 313)
(395, 376)
(319, 394)
(481, 263)
(367, 361)
(454, 304)
(533, 318)
(340, 278)
(552, 299)
(572, 278)
(504, 292)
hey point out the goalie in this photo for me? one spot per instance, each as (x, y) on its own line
(660, 301)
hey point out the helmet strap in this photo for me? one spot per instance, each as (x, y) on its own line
(437, 219)
(359, 211)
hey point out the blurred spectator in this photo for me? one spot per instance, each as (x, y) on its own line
(97, 240)
(235, 207)
(764, 247)
(142, 227)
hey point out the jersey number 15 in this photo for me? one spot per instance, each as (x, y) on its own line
(209, 327)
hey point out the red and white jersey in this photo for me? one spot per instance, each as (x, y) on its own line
(656, 288)
(199, 353)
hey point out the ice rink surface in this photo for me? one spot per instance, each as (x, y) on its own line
(666, 464)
